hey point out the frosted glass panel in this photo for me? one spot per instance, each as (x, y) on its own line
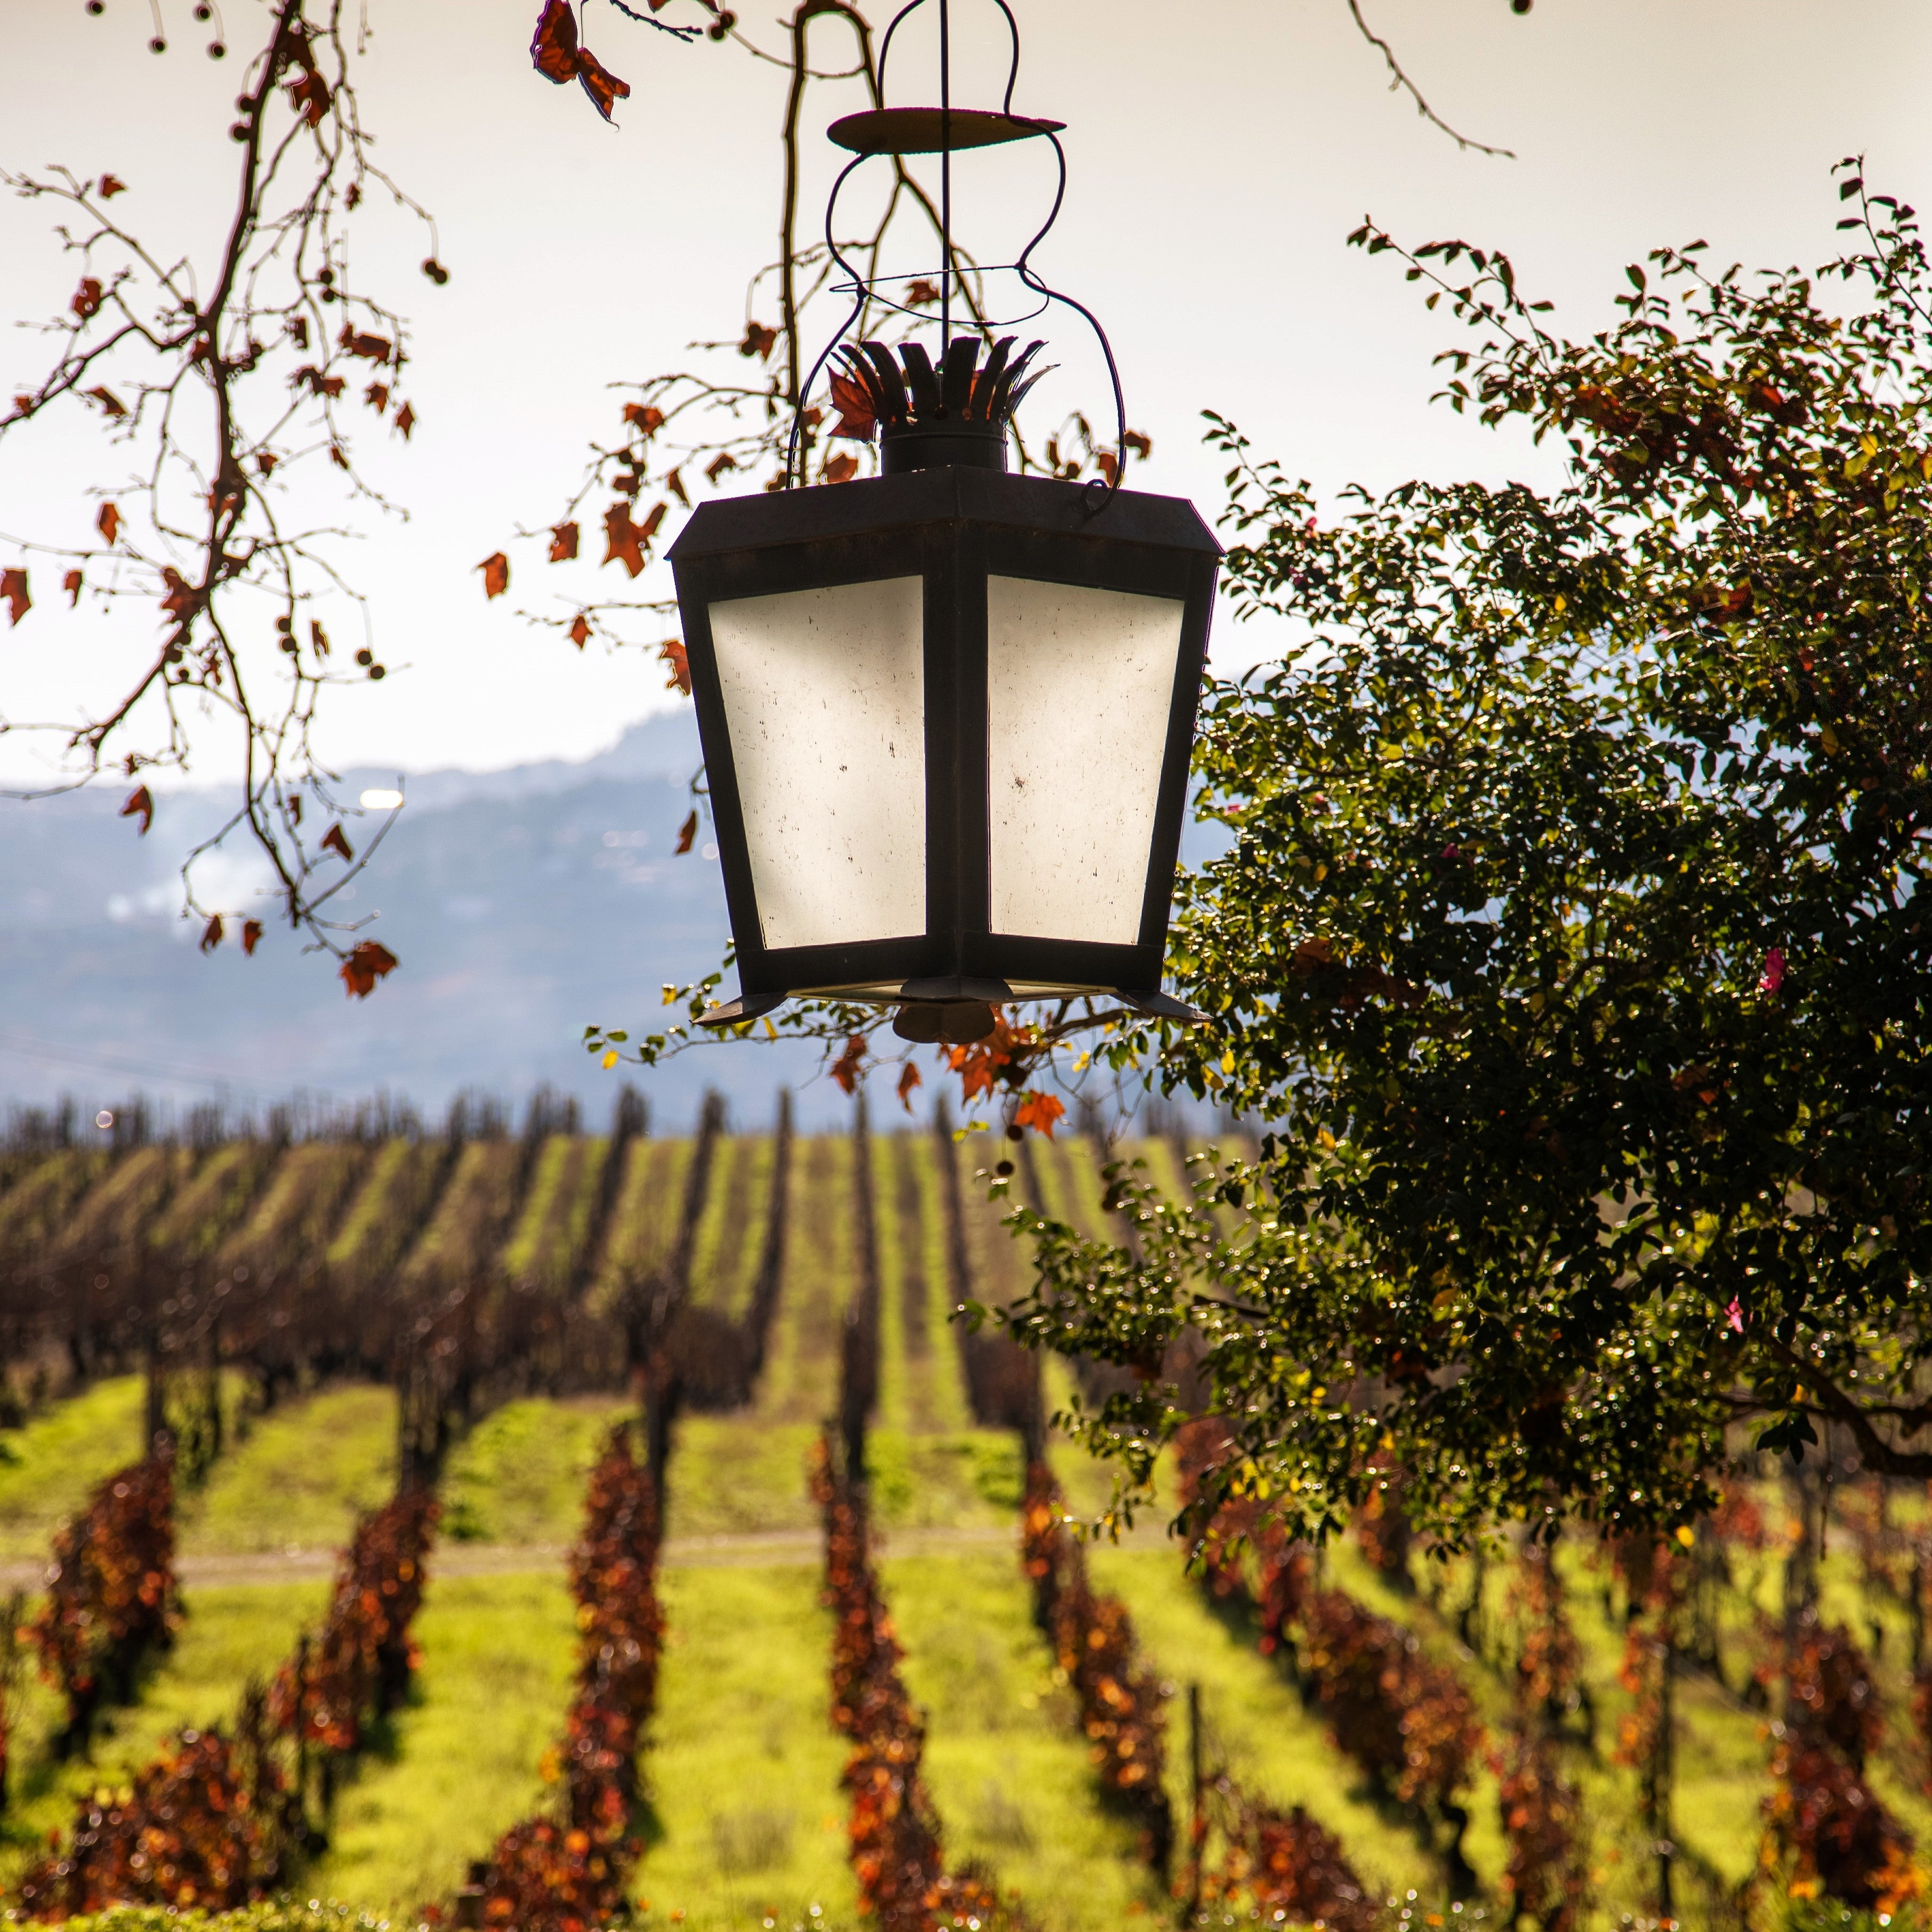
(824, 696)
(1079, 685)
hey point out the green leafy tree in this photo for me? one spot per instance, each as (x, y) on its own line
(1569, 942)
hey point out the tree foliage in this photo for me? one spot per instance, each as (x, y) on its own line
(1569, 941)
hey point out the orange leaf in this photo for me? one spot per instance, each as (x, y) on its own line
(111, 185)
(579, 631)
(318, 638)
(642, 417)
(563, 543)
(366, 963)
(373, 348)
(211, 936)
(856, 419)
(624, 541)
(1142, 446)
(376, 395)
(308, 95)
(182, 599)
(496, 575)
(71, 584)
(672, 651)
(1110, 465)
(555, 55)
(922, 294)
(333, 841)
(686, 832)
(845, 1068)
(13, 589)
(251, 936)
(908, 1080)
(406, 421)
(140, 803)
(719, 463)
(759, 340)
(108, 522)
(337, 457)
(841, 468)
(674, 483)
(86, 298)
(1039, 1112)
(110, 402)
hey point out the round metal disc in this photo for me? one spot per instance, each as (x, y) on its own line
(922, 130)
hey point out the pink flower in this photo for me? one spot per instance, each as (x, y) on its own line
(1772, 977)
(1737, 1315)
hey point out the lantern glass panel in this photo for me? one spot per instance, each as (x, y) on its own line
(824, 702)
(1080, 695)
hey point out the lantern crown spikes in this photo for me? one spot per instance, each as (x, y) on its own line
(946, 711)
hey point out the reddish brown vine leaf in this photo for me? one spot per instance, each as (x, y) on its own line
(210, 934)
(579, 631)
(367, 963)
(845, 1068)
(370, 348)
(1039, 1112)
(406, 421)
(71, 584)
(674, 483)
(87, 298)
(108, 523)
(759, 340)
(673, 653)
(13, 588)
(496, 575)
(625, 541)
(719, 463)
(318, 638)
(841, 468)
(908, 1080)
(686, 832)
(251, 936)
(563, 543)
(1142, 446)
(334, 840)
(181, 597)
(643, 417)
(111, 185)
(922, 294)
(555, 55)
(856, 419)
(141, 802)
(376, 395)
(115, 407)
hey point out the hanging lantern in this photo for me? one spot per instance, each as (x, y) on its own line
(946, 713)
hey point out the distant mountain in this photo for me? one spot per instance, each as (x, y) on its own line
(524, 905)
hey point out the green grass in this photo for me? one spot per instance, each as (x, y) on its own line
(1004, 1759)
(729, 1241)
(306, 1471)
(743, 1773)
(47, 1468)
(462, 1761)
(518, 1477)
(800, 1382)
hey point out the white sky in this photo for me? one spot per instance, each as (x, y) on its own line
(1220, 154)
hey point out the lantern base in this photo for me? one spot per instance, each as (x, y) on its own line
(942, 447)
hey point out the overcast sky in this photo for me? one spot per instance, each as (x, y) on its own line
(1220, 155)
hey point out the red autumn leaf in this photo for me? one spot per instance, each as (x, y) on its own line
(108, 522)
(922, 294)
(318, 638)
(366, 963)
(406, 421)
(674, 483)
(555, 54)
(308, 95)
(759, 340)
(140, 804)
(1039, 1112)
(579, 631)
(908, 1080)
(672, 651)
(86, 298)
(21, 404)
(337, 456)
(13, 589)
(111, 185)
(496, 575)
(719, 463)
(1110, 466)
(563, 543)
(1142, 446)
(181, 599)
(643, 417)
(251, 936)
(845, 1068)
(371, 348)
(376, 395)
(841, 468)
(686, 832)
(624, 541)
(211, 935)
(333, 840)
(71, 584)
(265, 460)
(856, 419)
(299, 330)
(110, 402)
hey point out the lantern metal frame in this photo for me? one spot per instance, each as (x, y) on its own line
(954, 528)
